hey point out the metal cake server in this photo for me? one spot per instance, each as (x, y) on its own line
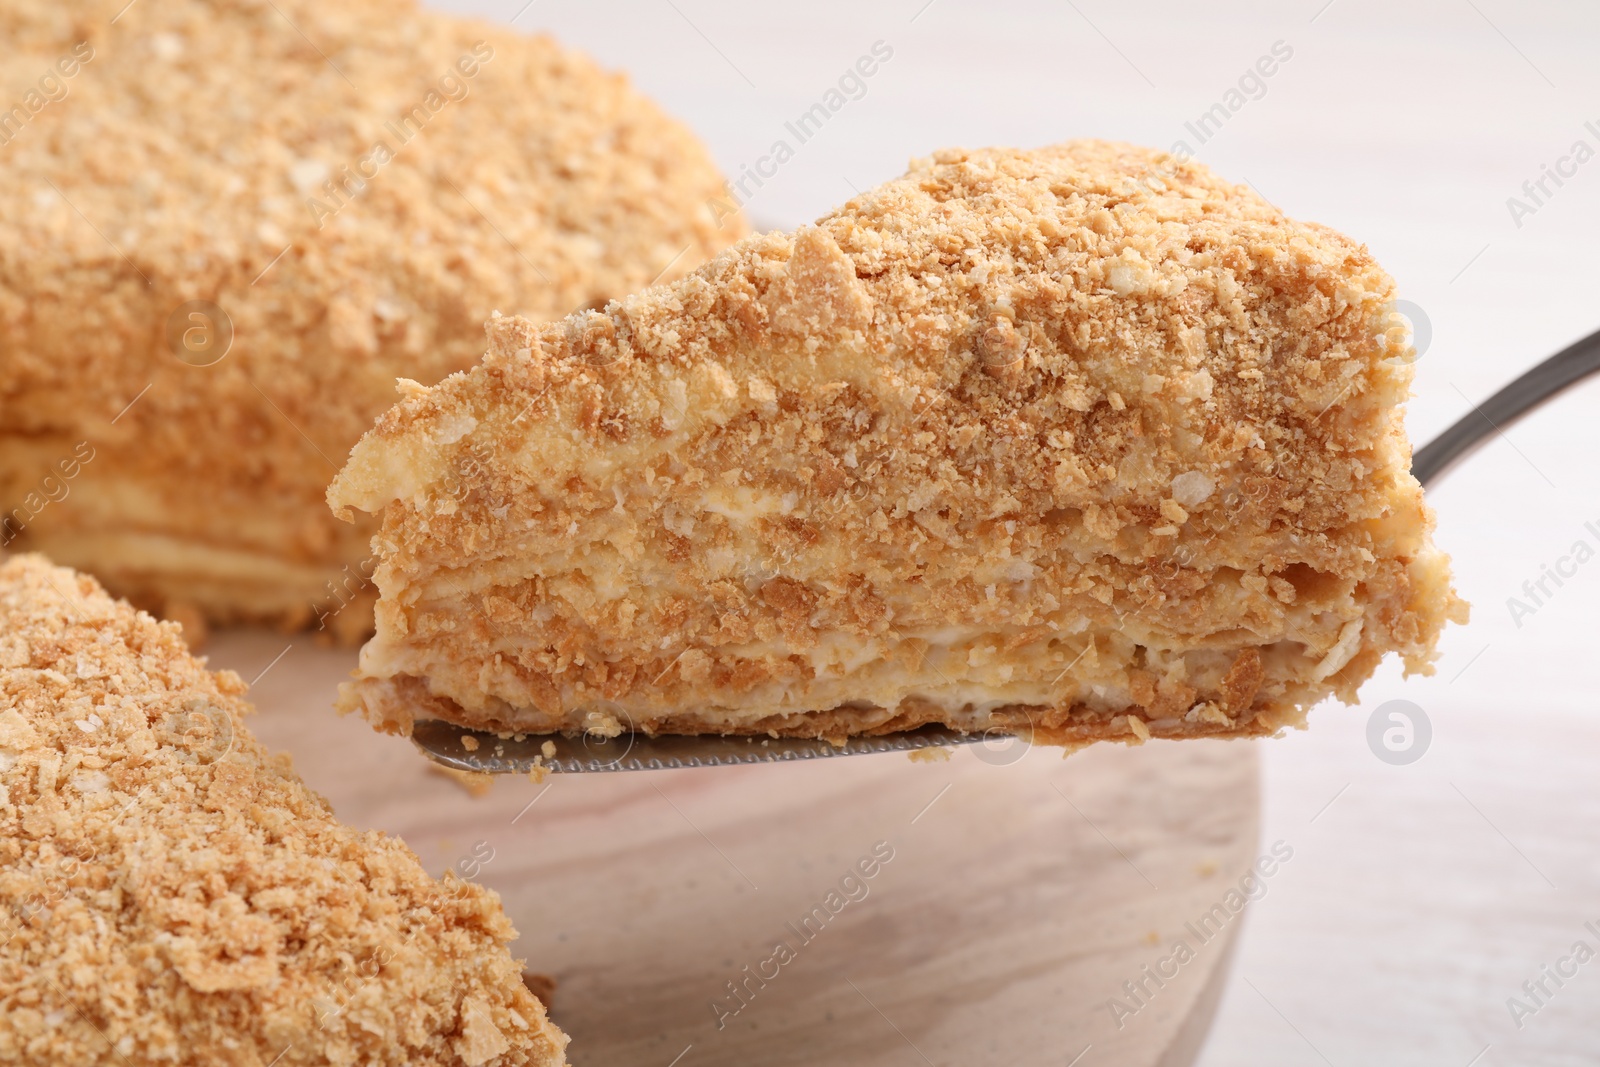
(447, 744)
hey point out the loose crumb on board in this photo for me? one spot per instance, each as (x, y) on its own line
(476, 783)
(930, 755)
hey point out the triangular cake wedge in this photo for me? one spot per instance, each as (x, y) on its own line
(170, 893)
(1081, 442)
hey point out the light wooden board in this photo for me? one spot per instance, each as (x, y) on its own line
(1023, 889)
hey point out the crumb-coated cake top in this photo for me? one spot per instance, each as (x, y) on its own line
(170, 892)
(349, 181)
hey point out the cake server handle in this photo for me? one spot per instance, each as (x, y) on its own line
(1527, 391)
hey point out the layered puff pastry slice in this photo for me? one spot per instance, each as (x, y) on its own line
(228, 227)
(1082, 443)
(171, 893)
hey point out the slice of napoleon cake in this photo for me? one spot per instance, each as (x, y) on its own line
(1081, 442)
(171, 894)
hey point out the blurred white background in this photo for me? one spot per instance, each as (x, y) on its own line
(1422, 896)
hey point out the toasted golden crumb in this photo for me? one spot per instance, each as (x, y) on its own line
(1081, 442)
(476, 783)
(170, 893)
(345, 189)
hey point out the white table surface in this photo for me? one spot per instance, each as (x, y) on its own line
(1421, 897)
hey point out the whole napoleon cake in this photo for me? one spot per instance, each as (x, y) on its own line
(227, 227)
(170, 893)
(1081, 442)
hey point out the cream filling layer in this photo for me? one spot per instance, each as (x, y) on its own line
(965, 670)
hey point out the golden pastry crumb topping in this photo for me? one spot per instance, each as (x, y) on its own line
(229, 227)
(171, 893)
